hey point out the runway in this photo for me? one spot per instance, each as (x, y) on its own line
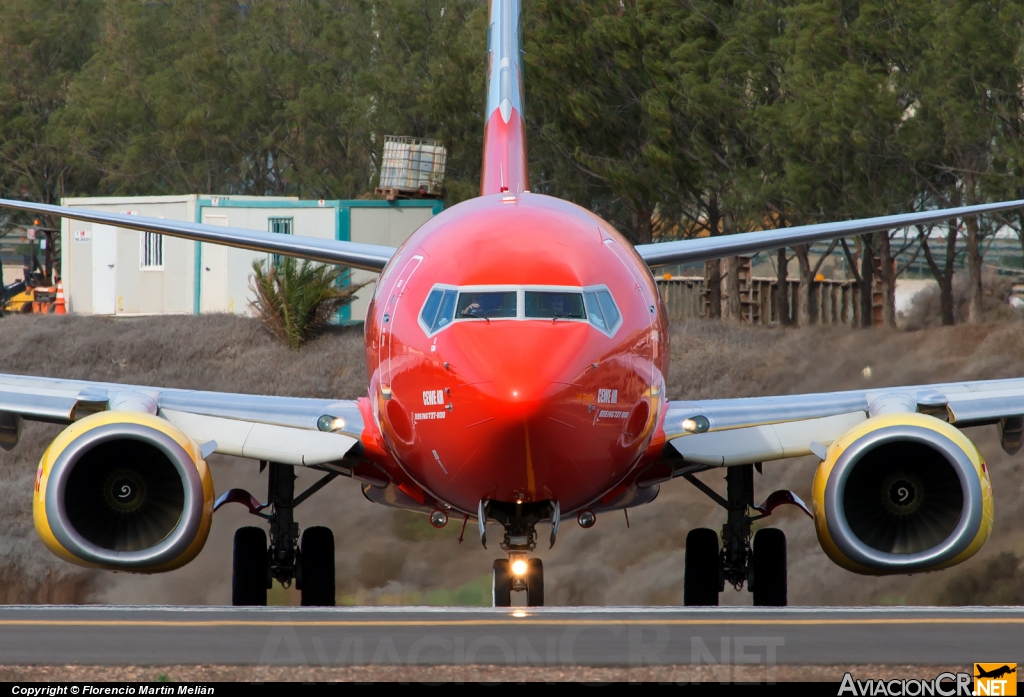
(61, 635)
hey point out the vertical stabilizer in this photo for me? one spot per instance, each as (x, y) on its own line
(504, 131)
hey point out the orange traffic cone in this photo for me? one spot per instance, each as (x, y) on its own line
(60, 308)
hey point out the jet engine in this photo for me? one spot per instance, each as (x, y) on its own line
(902, 493)
(124, 491)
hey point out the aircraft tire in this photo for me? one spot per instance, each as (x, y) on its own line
(317, 560)
(501, 583)
(534, 583)
(700, 573)
(769, 581)
(250, 567)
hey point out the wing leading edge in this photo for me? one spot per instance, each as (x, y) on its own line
(279, 429)
(707, 248)
(370, 257)
(726, 432)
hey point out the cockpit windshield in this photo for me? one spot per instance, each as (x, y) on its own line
(486, 305)
(592, 304)
(555, 304)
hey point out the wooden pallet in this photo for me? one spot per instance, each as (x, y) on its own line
(392, 193)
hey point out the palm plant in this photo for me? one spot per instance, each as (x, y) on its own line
(295, 300)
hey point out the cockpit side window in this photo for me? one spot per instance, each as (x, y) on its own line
(554, 305)
(439, 309)
(486, 305)
(594, 310)
(601, 309)
(611, 312)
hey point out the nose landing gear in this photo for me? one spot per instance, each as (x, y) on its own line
(518, 572)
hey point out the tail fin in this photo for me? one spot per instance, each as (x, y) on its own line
(505, 167)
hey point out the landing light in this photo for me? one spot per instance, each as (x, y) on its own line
(438, 519)
(519, 567)
(330, 423)
(696, 424)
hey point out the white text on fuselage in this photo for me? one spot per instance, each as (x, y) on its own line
(607, 396)
(433, 397)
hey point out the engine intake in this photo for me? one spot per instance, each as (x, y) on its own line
(122, 490)
(902, 493)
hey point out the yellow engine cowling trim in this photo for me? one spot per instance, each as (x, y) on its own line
(120, 417)
(901, 419)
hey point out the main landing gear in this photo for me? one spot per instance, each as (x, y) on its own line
(308, 561)
(762, 565)
(518, 572)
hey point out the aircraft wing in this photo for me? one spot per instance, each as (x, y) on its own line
(280, 429)
(725, 432)
(370, 257)
(706, 248)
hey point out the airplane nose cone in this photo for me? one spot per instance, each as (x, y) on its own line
(521, 365)
(522, 415)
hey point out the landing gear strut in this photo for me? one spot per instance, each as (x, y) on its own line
(518, 572)
(308, 561)
(761, 565)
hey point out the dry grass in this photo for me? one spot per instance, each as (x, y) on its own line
(608, 564)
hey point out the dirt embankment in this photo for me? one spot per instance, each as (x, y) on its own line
(386, 556)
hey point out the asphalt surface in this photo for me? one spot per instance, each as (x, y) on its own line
(62, 635)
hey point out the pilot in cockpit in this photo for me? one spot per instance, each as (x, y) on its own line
(556, 305)
(481, 305)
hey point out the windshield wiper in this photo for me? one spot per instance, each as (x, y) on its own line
(478, 314)
(567, 316)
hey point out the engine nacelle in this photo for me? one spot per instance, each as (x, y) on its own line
(125, 491)
(902, 493)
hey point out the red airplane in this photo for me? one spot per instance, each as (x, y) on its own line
(517, 349)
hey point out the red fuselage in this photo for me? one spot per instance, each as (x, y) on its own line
(516, 409)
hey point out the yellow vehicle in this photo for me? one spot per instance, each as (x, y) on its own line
(19, 298)
(39, 299)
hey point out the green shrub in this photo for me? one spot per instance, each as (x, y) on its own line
(294, 300)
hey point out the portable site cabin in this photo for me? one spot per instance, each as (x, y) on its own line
(114, 271)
